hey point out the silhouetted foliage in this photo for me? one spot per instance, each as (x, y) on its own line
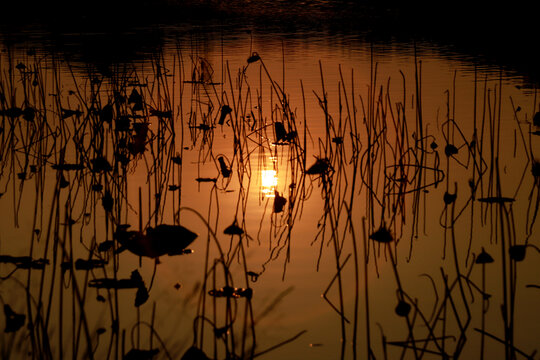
(14, 321)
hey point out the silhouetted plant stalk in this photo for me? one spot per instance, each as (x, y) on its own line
(80, 138)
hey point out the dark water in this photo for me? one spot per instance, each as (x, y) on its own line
(343, 203)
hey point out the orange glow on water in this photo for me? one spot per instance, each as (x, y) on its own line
(270, 173)
(269, 182)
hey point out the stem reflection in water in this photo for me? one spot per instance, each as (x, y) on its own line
(197, 207)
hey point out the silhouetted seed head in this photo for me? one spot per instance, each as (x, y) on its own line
(29, 114)
(536, 119)
(226, 291)
(105, 246)
(138, 354)
(246, 293)
(254, 57)
(100, 298)
(136, 278)
(232, 292)
(233, 229)
(194, 353)
(164, 114)
(66, 113)
(483, 258)
(320, 167)
(517, 252)
(225, 171)
(37, 264)
(13, 112)
(433, 145)
(279, 203)
(225, 110)
(100, 164)
(63, 182)
(100, 331)
(141, 296)
(84, 264)
(201, 180)
(281, 133)
(107, 201)
(383, 235)
(202, 127)
(403, 308)
(106, 114)
(24, 262)
(338, 140)
(14, 321)
(496, 200)
(136, 99)
(253, 276)
(449, 198)
(177, 160)
(450, 150)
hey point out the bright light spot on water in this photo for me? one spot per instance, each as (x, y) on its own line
(269, 182)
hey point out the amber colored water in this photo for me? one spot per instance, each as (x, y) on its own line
(391, 111)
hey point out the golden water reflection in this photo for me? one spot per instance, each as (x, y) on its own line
(269, 178)
(269, 182)
(255, 270)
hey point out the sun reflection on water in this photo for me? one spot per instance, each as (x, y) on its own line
(269, 181)
(269, 178)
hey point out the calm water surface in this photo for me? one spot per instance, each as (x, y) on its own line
(398, 128)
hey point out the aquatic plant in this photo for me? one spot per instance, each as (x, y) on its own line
(94, 163)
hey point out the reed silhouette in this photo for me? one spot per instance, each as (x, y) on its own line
(118, 172)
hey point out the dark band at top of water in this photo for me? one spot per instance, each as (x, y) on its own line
(493, 35)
